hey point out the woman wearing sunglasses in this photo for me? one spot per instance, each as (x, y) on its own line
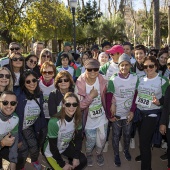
(32, 123)
(31, 62)
(6, 82)
(16, 66)
(65, 136)
(63, 83)
(45, 55)
(46, 83)
(150, 93)
(91, 90)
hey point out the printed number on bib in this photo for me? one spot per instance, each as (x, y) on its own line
(96, 111)
(30, 120)
(144, 100)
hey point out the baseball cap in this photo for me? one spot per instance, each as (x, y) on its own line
(92, 63)
(67, 44)
(124, 57)
(115, 49)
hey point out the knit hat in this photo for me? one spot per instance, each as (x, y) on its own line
(115, 49)
(124, 57)
(92, 63)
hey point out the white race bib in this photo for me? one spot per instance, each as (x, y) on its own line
(96, 111)
(144, 100)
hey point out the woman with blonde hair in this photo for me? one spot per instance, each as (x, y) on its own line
(65, 136)
(45, 55)
(6, 82)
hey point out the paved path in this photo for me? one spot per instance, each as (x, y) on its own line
(157, 164)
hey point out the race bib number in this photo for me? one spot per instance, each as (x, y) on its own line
(30, 120)
(96, 111)
(144, 100)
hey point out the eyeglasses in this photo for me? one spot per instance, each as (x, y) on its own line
(12, 103)
(46, 56)
(69, 104)
(7, 76)
(92, 69)
(63, 80)
(168, 64)
(33, 62)
(15, 48)
(29, 81)
(150, 66)
(18, 59)
(48, 72)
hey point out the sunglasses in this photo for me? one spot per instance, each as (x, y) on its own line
(29, 81)
(92, 69)
(16, 48)
(150, 66)
(5, 103)
(48, 72)
(7, 76)
(69, 104)
(46, 56)
(33, 62)
(63, 80)
(153, 54)
(168, 64)
(18, 59)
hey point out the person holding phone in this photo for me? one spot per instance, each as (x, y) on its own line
(120, 94)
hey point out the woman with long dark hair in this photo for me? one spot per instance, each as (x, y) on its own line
(65, 136)
(32, 123)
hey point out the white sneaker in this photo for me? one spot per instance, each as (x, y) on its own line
(132, 143)
(120, 147)
(164, 145)
(106, 147)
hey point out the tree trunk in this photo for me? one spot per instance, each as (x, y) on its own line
(156, 25)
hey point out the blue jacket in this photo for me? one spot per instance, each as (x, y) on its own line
(39, 124)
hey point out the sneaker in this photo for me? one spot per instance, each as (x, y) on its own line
(132, 143)
(105, 149)
(120, 147)
(164, 157)
(138, 158)
(164, 145)
(117, 161)
(37, 165)
(100, 160)
(89, 160)
(127, 155)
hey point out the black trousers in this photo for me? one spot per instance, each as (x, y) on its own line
(4, 154)
(69, 152)
(29, 146)
(146, 130)
(168, 142)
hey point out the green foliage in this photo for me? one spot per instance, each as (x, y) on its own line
(89, 14)
(113, 29)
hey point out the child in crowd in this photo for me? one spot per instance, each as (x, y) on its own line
(65, 65)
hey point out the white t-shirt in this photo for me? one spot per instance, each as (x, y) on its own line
(17, 75)
(31, 113)
(70, 70)
(113, 68)
(96, 115)
(46, 92)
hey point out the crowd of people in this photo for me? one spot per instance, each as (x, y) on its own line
(49, 107)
